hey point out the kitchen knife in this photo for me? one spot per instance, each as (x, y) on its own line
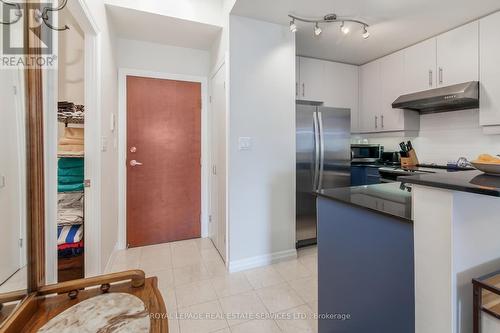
(403, 147)
(409, 145)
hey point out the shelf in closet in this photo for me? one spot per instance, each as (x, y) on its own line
(70, 156)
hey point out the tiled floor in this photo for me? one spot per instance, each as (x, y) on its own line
(16, 282)
(193, 280)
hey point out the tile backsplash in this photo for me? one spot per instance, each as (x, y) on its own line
(445, 137)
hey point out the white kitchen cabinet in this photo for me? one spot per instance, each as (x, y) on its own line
(312, 77)
(490, 70)
(420, 67)
(341, 89)
(297, 77)
(392, 70)
(458, 55)
(370, 97)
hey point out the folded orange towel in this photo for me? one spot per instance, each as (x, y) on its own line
(70, 141)
(73, 133)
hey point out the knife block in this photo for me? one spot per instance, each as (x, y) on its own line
(411, 160)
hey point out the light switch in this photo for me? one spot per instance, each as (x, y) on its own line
(245, 143)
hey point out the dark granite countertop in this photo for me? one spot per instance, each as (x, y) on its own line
(392, 199)
(464, 181)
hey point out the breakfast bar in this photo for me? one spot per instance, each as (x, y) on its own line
(456, 238)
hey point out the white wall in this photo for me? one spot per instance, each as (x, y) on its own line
(262, 107)
(162, 58)
(203, 11)
(109, 105)
(70, 61)
(447, 136)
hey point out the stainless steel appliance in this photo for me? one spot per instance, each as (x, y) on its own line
(366, 153)
(323, 161)
(456, 97)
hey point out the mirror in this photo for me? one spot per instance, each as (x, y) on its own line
(13, 173)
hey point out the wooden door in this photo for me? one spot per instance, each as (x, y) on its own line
(164, 140)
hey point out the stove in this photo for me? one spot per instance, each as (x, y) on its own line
(389, 174)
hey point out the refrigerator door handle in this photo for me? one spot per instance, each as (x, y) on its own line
(316, 151)
(321, 150)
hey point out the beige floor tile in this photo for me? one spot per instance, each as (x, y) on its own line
(292, 270)
(210, 318)
(173, 325)
(210, 254)
(256, 326)
(187, 255)
(189, 274)
(310, 262)
(155, 250)
(165, 277)
(216, 267)
(314, 306)
(231, 284)
(195, 293)
(155, 263)
(298, 320)
(279, 298)
(307, 288)
(170, 299)
(242, 307)
(263, 277)
(225, 330)
(307, 251)
(204, 243)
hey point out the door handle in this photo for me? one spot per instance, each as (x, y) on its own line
(440, 75)
(321, 150)
(376, 122)
(135, 163)
(303, 89)
(316, 151)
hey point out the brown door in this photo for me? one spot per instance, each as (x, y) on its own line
(164, 138)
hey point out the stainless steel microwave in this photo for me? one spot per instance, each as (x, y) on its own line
(366, 153)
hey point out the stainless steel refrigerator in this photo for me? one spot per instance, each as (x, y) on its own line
(323, 139)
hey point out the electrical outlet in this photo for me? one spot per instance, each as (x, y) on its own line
(245, 143)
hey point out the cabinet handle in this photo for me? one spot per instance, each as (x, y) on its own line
(440, 75)
(430, 77)
(382, 120)
(376, 121)
(303, 89)
(296, 89)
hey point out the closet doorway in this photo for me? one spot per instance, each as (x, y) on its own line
(163, 160)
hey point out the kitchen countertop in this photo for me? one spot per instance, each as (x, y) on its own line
(392, 199)
(465, 181)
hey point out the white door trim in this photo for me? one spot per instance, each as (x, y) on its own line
(122, 146)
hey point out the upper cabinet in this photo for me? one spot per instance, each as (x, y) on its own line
(420, 66)
(458, 55)
(311, 84)
(334, 84)
(392, 79)
(369, 97)
(490, 70)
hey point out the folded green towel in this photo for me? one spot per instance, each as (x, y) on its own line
(69, 187)
(70, 179)
(80, 171)
(68, 163)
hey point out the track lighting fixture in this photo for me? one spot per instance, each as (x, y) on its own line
(329, 18)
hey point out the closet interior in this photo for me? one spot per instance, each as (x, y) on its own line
(70, 152)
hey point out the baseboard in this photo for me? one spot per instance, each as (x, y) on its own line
(263, 260)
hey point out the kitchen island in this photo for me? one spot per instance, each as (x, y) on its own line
(365, 259)
(456, 235)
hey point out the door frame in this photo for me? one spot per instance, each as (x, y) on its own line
(92, 100)
(122, 146)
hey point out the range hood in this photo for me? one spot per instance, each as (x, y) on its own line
(456, 97)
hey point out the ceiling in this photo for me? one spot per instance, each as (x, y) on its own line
(150, 27)
(394, 24)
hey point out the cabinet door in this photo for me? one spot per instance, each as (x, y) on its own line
(392, 70)
(420, 67)
(369, 97)
(312, 76)
(490, 70)
(297, 77)
(458, 55)
(341, 89)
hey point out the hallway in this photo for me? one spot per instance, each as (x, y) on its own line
(195, 284)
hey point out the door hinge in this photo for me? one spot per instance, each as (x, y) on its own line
(210, 99)
(14, 88)
(20, 242)
(210, 218)
(86, 183)
(214, 170)
(128, 245)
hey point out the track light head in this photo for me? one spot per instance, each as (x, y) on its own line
(345, 30)
(317, 30)
(366, 33)
(293, 26)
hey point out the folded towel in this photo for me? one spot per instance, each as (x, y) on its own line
(69, 163)
(70, 201)
(70, 150)
(69, 216)
(69, 187)
(73, 133)
(70, 246)
(69, 234)
(70, 179)
(70, 141)
(79, 171)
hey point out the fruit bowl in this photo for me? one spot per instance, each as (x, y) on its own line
(488, 168)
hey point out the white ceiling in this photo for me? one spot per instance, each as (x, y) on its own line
(150, 27)
(394, 24)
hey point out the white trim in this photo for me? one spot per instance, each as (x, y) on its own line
(263, 260)
(122, 148)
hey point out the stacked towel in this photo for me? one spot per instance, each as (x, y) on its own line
(71, 144)
(68, 112)
(70, 174)
(69, 234)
